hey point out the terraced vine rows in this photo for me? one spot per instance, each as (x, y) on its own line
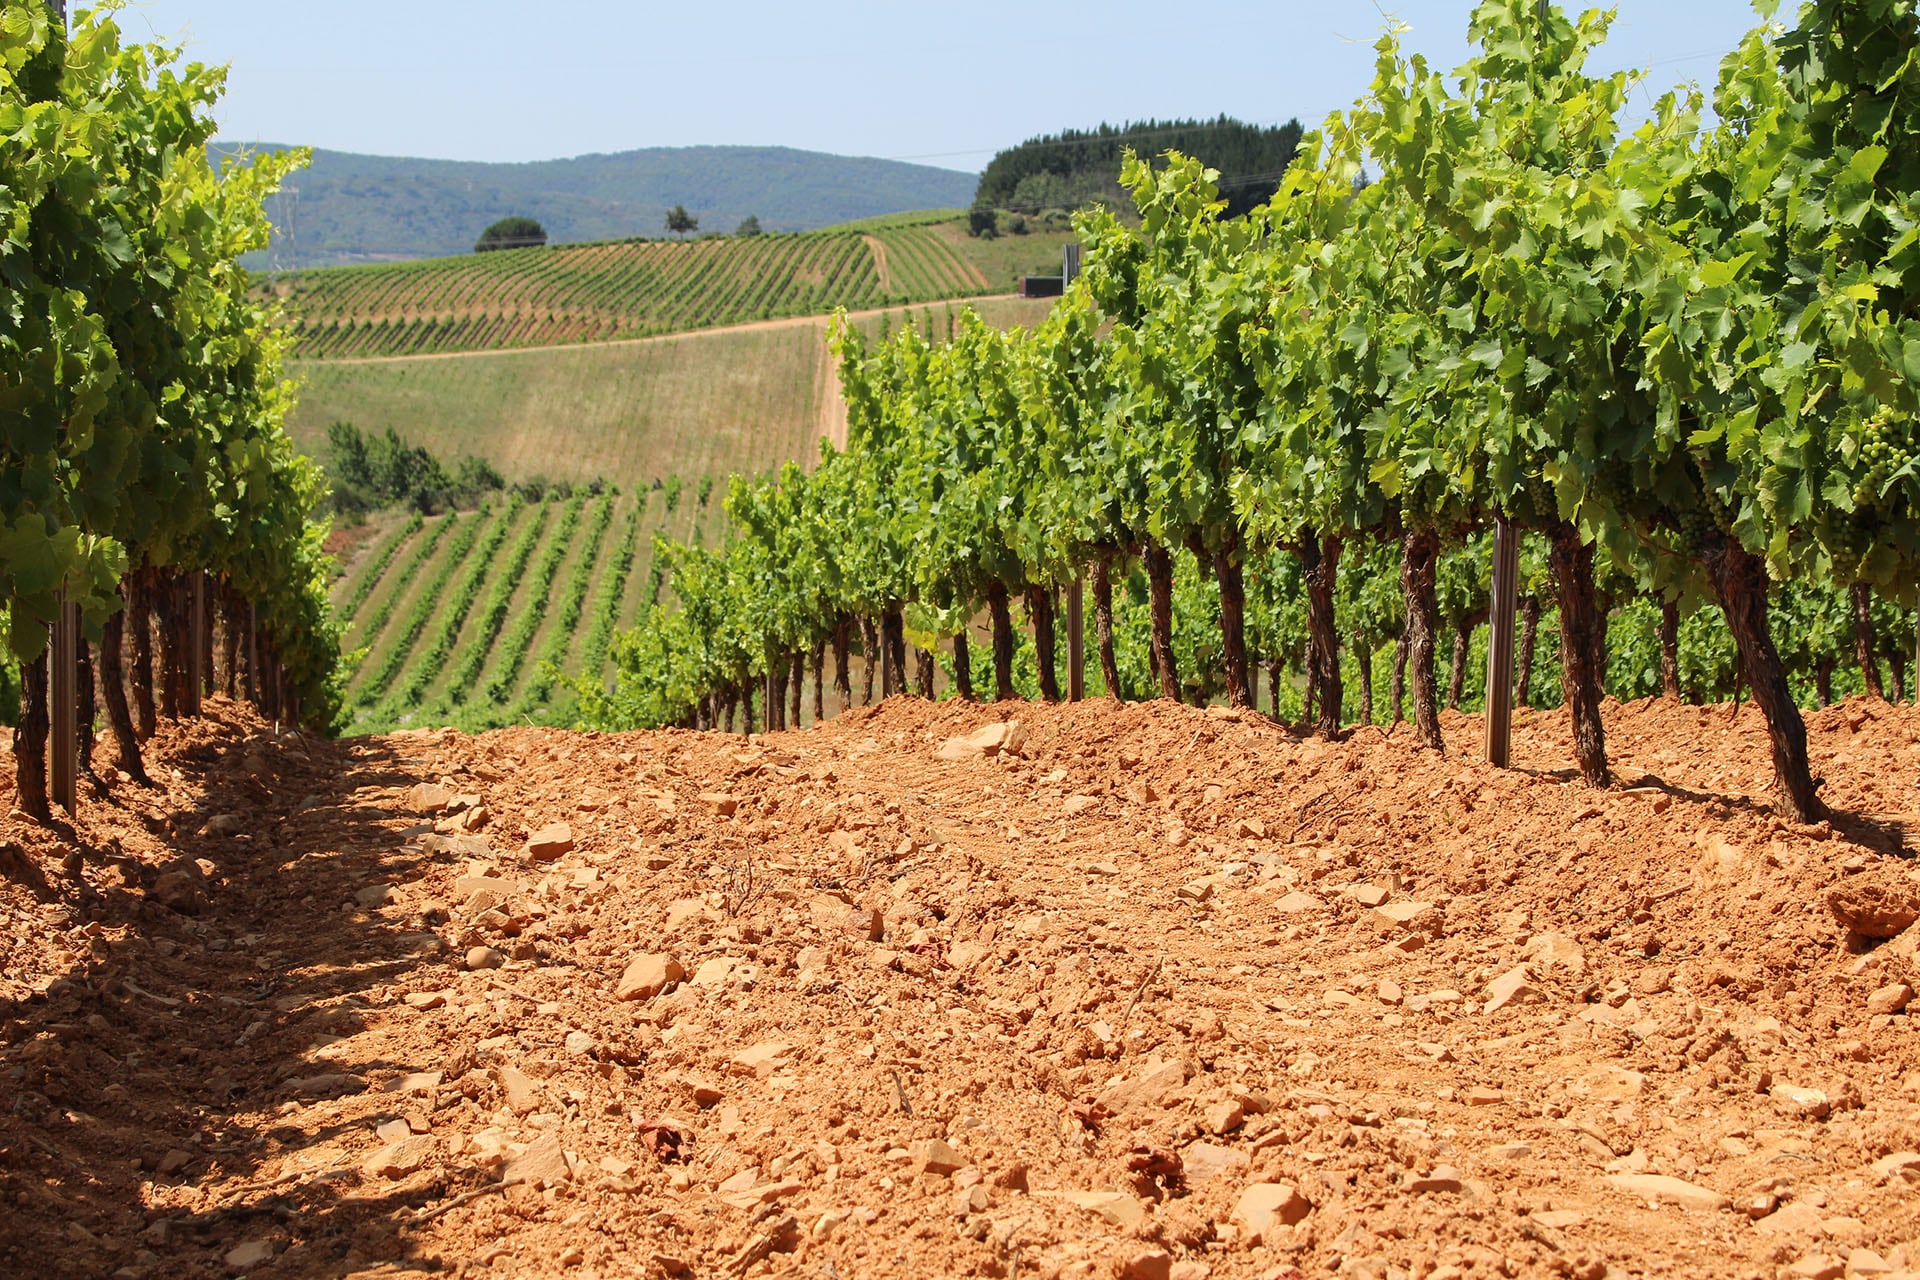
(596, 292)
(473, 619)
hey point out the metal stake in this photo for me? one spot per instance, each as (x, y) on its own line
(64, 656)
(1500, 628)
(1076, 641)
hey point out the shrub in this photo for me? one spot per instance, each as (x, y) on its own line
(511, 233)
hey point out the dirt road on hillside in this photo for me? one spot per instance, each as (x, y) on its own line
(1145, 992)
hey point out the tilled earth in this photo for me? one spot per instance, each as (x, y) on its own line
(1137, 991)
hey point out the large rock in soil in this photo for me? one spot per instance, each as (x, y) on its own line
(1875, 904)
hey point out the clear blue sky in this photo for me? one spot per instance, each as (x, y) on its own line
(946, 84)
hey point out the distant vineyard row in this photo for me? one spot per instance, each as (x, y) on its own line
(461, 619)
(589, 293)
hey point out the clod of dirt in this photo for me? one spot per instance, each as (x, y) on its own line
(1875, 904)
(983, 743)
(647, 975)
(429, 797)
(550, 842)
(1264, 1206)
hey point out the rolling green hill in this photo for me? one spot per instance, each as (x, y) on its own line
(465, 618)
(357, 208)
(460, 615)
(599, 292)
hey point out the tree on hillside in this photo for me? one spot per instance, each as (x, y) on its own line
(511, 233)
(680, 222)
(749, 226)
(369, 470)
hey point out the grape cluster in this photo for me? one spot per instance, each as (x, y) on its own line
(1719, 514)
(1848, 540)
(1881, 455)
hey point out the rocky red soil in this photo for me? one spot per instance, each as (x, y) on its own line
(1134, 991)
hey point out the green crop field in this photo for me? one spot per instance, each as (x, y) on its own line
(702, 404)
(602, 292)
(462, 619)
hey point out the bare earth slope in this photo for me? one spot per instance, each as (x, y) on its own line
(1168, 993)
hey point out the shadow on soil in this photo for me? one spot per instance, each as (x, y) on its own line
(177, 1058)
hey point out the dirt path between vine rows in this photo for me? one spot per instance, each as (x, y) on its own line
(1151, 992)
(880, 268)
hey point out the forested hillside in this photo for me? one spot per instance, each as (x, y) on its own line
(1074, 167)
(346, 208)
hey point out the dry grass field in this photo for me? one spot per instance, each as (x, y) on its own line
(700, 404)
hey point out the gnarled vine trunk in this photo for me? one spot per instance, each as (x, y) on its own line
(1457, 665)
(1040, 614)
(30, 740)
(1160, 617)
(1582, 648)
(923, 669)
(1320, 559)
(1529, 629)
(842, 681)
(1823, 682)
(1273, 687)
(797, 666)
(1670, 649)
(820, 680)
(1419, 561)
(963, 665)
(1897, 671)
(1229, 577)
(1740, 582)
(893, 636)
(1002, 640)
(776, 690)
(1865, 651)
(1103, 623)
(113, 685)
